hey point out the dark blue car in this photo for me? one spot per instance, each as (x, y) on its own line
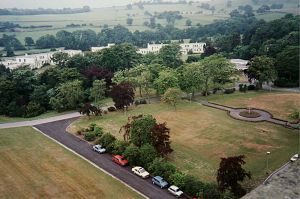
(159, 181)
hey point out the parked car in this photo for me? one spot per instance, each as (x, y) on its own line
(140, 171)
(159, 181)
(98, 148)
(120, 160)
(294, 157)
(175, 191)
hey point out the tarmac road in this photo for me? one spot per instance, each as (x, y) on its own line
(57, 131)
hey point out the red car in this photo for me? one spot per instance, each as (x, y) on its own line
(119, 159)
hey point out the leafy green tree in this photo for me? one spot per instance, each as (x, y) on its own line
(188, 22)
(132, 154)
(119, 146)
(217, 70)
(287, 67)
(170, 55)
(141, 130)
(192, 78)
(147, 155)
(230, 173)
(60, 58)
(29, 41)
(262, 69)
(46, 41)
(34, 109)
(68, 96)
(106, 140)
(166, 79)
(129, 21)
(40, 96)
(172, 96)
(98, 90)
(84, 39)
(160, 167)
(177, 179)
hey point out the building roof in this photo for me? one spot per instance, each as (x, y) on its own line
(283, 184)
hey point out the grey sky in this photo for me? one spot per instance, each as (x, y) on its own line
(61, 3)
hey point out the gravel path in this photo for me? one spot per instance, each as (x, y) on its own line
(235, 113)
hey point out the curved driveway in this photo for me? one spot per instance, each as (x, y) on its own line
(57, 131)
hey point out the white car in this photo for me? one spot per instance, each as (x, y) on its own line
(294, 158)
(140, 171)
(175, 191)
(98, 148)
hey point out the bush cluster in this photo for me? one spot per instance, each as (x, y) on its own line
(229, 90)
(92, 132)
(243, 88)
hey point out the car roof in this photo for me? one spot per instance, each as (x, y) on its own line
(174, 187)
(118, 156)
(158, 178)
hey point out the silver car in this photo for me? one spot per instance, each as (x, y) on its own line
(175, 191)
(98, 148)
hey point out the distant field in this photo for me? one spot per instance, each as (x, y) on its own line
(33, 166)
(118, 15)
(201, 135)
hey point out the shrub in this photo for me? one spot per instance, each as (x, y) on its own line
(147, 155)
(89, 136)
(162, 168)
(192, 186)
(111, 109)
(106, 139)
(98, 131)
(143, 101)
(251, 87)
(34, 109)
(177, 179)
(119, 146)
(243, 88)
(203, 93)
(92, 126)
(229, 90)
(132, 154)
(79, 132)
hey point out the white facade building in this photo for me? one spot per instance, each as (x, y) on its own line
(96, 49)
(240, 64)
(195, 48)
(36, 60)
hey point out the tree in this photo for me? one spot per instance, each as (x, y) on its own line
(217, 70)
(98, 90)
(262, 69)
(287, 67)
(170, 55)
(230, 173)
(29, 41)
(34, 109)
(129, 21)
(68, 96)
(98, 73)
(89, 109)
(166, 79)
(40, 96)
(9, 51)
(119, 146)
(177, 179)
(106, 140)
(46, 41)
(161, 139)
(172, 96)
(132, 154)
(160, 167)
(122, 95)
(192, 78)
(188, 22)
(147, 155)
(60, 58)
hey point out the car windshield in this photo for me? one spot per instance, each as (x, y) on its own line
(142, 170)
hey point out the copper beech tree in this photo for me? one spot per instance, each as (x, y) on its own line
(141, 130)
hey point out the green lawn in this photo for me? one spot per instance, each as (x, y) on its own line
(33, 166)
(4, 119)
(201, 135)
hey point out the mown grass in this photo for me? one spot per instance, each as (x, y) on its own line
(33, 166)
(280, 104)
(201, 135)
